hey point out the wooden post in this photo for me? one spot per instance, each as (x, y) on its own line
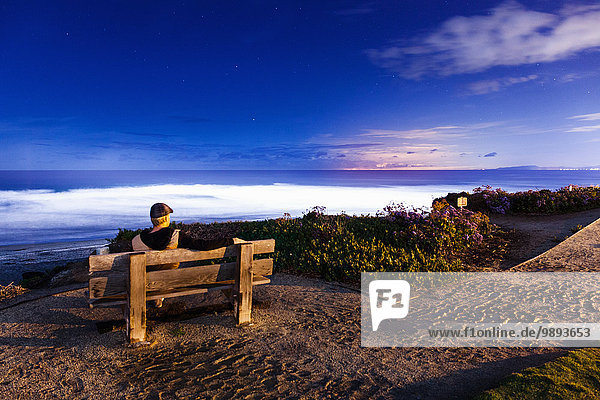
(136, 298)
(242, 289)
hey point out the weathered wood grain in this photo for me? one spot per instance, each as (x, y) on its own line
(118, 300)
(115, 284)
(122, 278)
(120, 261)
(108, 286)
(242, 288)
(136, 296)
(205, 274)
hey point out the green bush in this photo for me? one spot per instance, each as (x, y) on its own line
(124, 235)
(567, 199)
(339, 247)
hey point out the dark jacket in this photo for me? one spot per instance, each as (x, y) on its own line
(169, 238)
(161, 239)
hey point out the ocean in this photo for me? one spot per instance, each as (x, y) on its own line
(51, 217)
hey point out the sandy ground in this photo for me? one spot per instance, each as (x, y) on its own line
(305, 342)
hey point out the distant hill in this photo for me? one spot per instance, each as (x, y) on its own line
(528, 167)
(535, 167)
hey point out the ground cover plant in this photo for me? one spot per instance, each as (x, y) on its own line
(340, 246)
(567, 199)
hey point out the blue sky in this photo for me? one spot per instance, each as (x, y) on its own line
(299, 85)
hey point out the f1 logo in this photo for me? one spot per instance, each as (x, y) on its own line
(388, 299)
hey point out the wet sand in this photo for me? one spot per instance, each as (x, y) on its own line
(305, 343)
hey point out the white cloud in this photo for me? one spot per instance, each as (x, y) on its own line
(509, 35)
(411, 134)
(587, 117)
(570, 77)
(495, 85)
(590, 128)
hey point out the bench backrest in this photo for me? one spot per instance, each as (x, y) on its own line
(109, 273)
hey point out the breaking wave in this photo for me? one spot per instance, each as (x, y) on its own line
(36, 216)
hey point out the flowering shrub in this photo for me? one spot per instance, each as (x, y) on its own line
(567, 199)
(339, 247)
(497, 201)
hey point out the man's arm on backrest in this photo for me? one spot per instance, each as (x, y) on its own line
(188, 242)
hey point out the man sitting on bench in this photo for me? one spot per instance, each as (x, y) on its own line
(162, 237)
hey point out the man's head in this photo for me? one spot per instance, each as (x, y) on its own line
(159, 214)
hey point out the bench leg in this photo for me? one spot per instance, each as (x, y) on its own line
(136, 299)
(242, 289)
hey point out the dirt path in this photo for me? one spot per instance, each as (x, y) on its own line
(580, 252)
(304, 344)
(539, 233)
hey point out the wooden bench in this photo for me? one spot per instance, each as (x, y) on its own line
(121, 279)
